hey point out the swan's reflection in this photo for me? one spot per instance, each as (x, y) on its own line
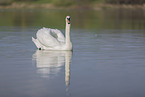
(50, 62)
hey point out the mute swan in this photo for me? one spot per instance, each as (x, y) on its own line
(53, 39)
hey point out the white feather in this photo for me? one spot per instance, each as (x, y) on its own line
(53, 39)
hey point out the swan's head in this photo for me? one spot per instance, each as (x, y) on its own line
(68, 19)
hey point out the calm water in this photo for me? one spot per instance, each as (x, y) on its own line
(108, 58)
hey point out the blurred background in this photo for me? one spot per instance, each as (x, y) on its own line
(73, 2)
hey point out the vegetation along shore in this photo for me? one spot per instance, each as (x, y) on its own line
(72, 4)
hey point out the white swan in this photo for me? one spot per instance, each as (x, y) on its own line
(53, 39)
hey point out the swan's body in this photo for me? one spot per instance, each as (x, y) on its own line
(53, 39)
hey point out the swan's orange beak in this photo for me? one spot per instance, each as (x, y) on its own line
(68, 20)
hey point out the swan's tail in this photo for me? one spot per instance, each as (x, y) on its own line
(36, 42)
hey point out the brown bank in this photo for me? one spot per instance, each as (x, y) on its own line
(50, 6)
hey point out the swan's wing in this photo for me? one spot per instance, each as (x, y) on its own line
(58, 35)
(50, 37)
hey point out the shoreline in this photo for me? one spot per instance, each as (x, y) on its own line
(50, 6)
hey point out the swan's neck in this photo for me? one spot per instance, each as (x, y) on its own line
(67, 34)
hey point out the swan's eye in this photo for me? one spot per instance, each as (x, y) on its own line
(68, 19)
